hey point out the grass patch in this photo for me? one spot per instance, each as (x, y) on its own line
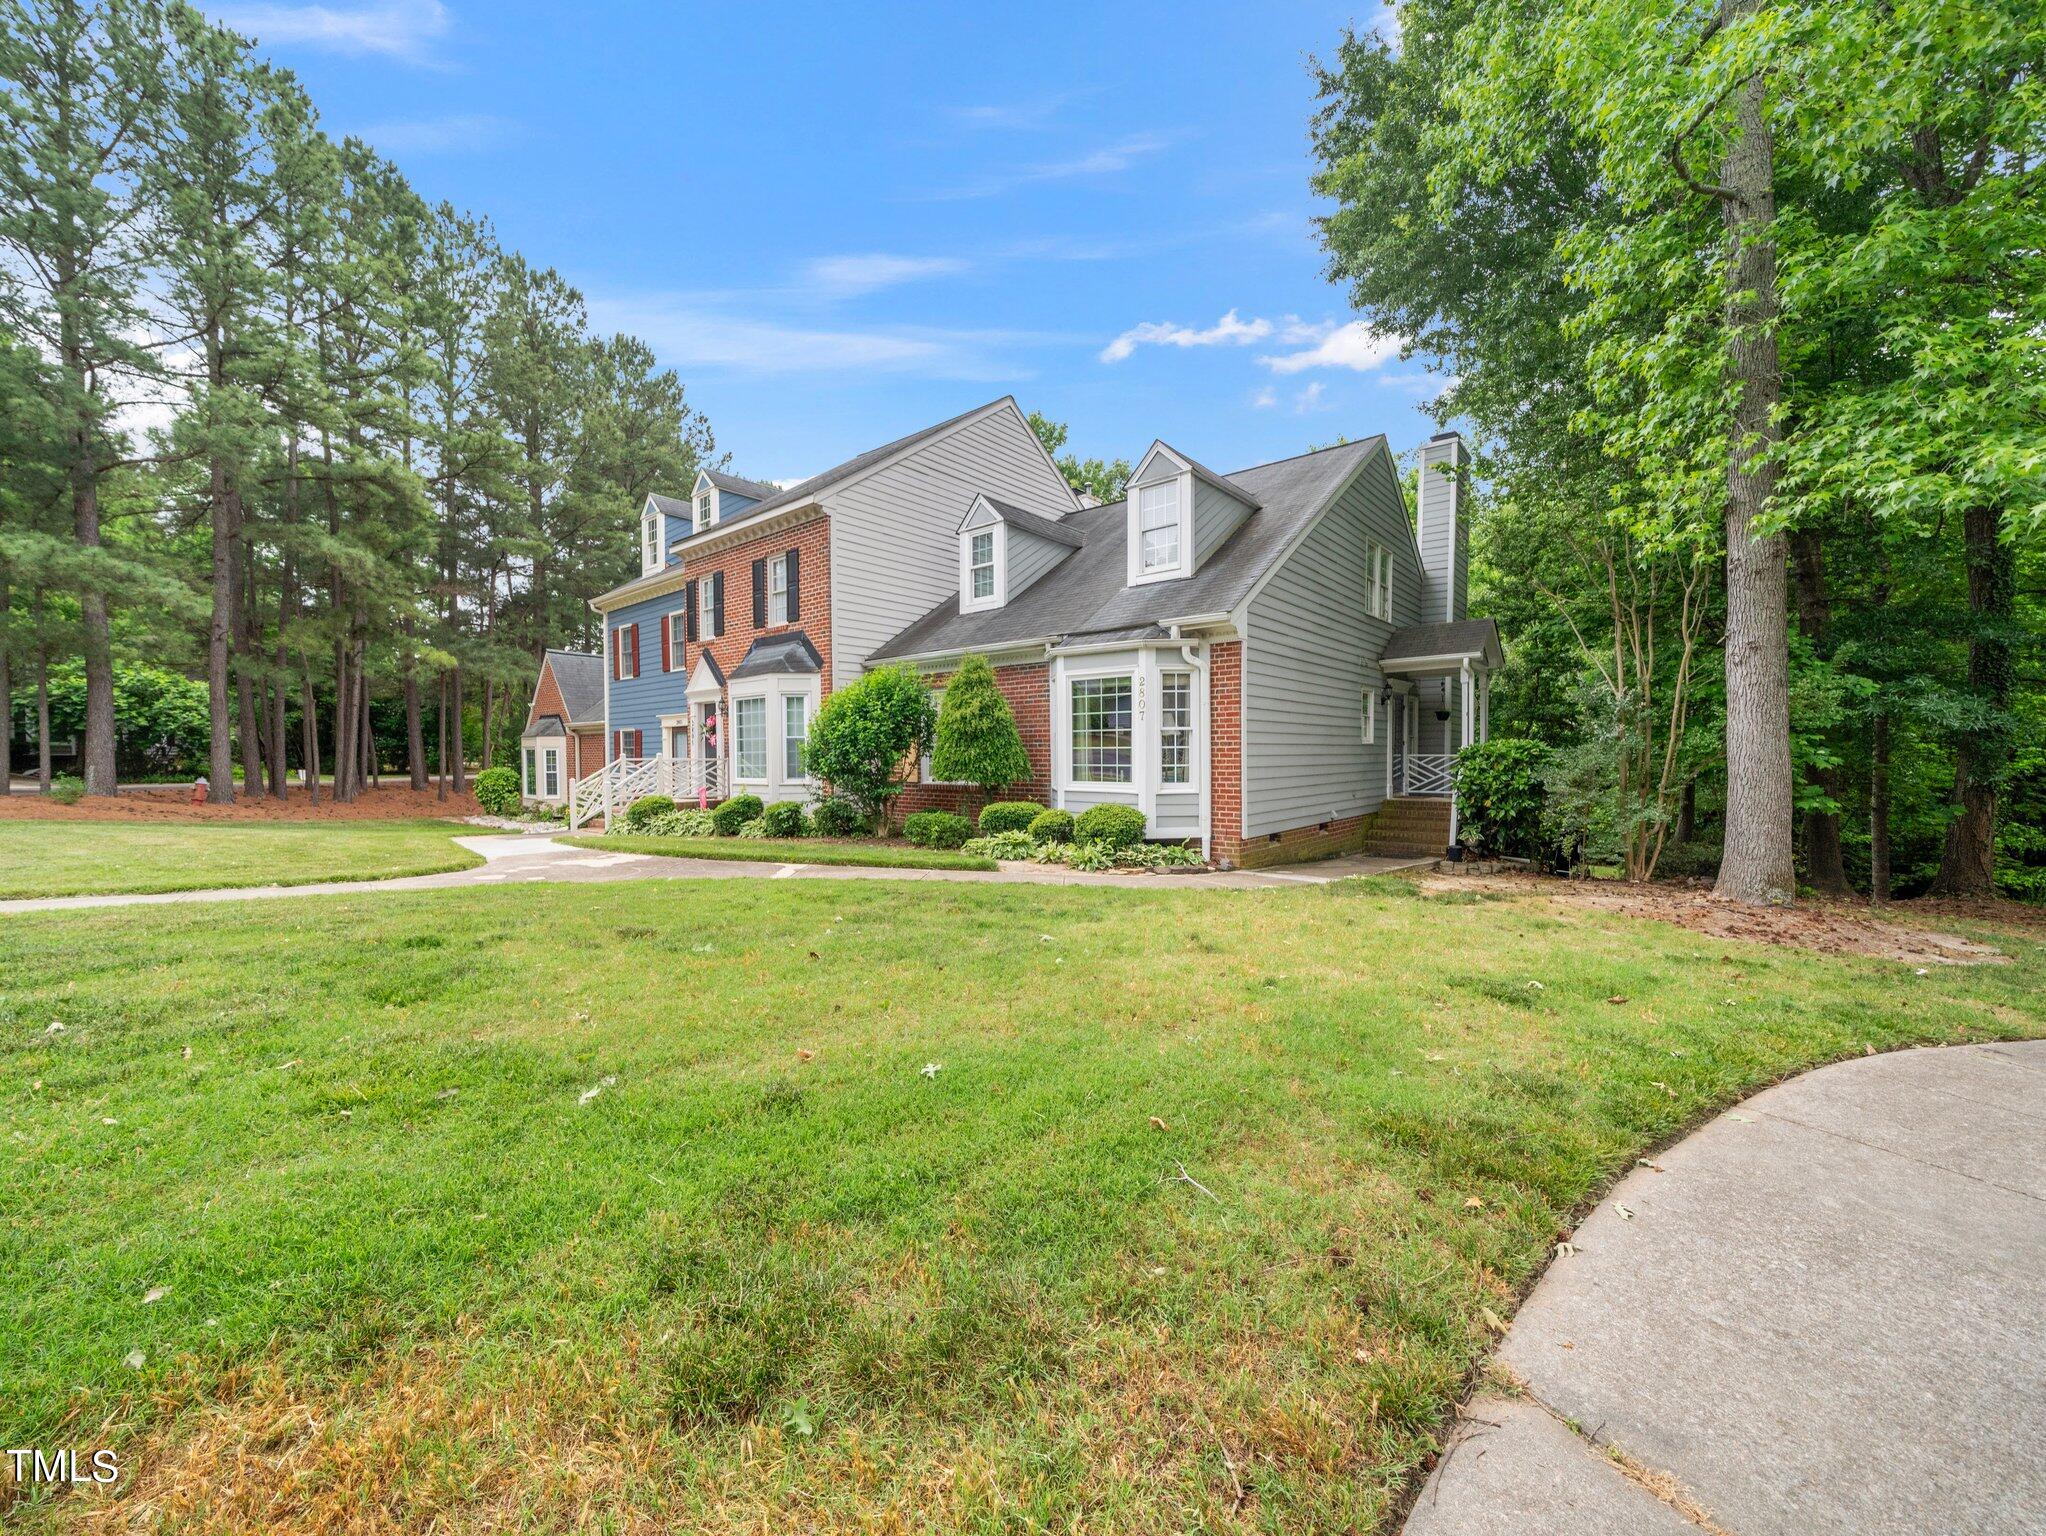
(637, 1204)
(89, 858)
(876, 853)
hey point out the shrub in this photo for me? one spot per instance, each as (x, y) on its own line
(643, 810)
(734, 814)
(838, 817)
(681, 823)
(1003, 845)
(1499, 795)
(1089, 856)
(785, 819)
(1116, 826)
(1009, 816)
(497, 791)
(1158, 856)
(937, 829)
(1052, 826)
(976, 741)
(67, 789)
(867, 736)
(757, 827)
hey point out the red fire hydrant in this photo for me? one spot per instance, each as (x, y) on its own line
(199, 790)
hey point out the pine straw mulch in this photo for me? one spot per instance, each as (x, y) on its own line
(1827, 927)
(392, 802)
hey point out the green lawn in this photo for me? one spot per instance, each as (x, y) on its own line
(525, 1208)
(873, 852)
(78, 858)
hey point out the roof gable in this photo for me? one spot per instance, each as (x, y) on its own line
(579, 676)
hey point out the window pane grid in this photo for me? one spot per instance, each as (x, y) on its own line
(983, 563)
(1158, 526)
(749, 735)
(795, 733)
(1101, 730)
(778, 590)
(1175, 727)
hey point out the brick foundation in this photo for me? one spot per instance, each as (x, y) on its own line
(1299, 844)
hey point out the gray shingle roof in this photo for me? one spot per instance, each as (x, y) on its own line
(1030, 522)
(1466, 637)
(1086, 594)
(671, 506)
(739, 485)
(546, 725)
(580, 677)
(791, 652)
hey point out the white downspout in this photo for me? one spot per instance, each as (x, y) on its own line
(1199, 666)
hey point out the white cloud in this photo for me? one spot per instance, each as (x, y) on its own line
(1387, 25)
(1228, 331)
(457, 132)
(863, 274)
(1104, 161)
(398, 29)
(1355, 346)
(1264, 399)
(1309, 399)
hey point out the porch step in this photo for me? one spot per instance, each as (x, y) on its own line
(1409, 826)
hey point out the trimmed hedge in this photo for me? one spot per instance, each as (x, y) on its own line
(785, 819)
(728, 818)
(838, 817)
(1114, 826)
(497, 791)
(644, 809)
(937, 829)
(1009, 816)
(1051, 827)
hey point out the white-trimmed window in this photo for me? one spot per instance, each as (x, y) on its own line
(532, 778)
(795, 735)
(706, 609)
(749, 739)
(981, 565)
(650, 542)
(1175, 728)
(706, 507)
(552, 759)
(1378, 600)
(778, 590)
(1158, 527)
(1103, 730)
(1370, 718)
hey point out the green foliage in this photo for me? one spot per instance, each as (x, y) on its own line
(1052, 826)
(1158, 856)
(646, 809)
(67, 789)
(1009, 816)
(1499, 797)
(677, 823)
(867, 736)
(937, 829)
(729, 817)
(837, 816)
(1113, 826)
(497, 792)
(976, 740)
(1090, 857)
(160, 716)
(754, 828)
(1104, 481)
(1009, 844)
(785, 818)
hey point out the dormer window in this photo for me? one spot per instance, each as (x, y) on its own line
(706, 507)
(1158, 528)
(981, 565)
(649, 541)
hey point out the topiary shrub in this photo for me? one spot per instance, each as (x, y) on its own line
(1499, 797)
(976, 740)
(67, 789)
(1009, 816)
(1051, 826)
(497, 791)
(785, 819)
(1114, 826)
(936, 829)
(728, 818)
(838, 817)
(641, 812)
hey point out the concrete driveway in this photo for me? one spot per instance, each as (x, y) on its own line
(1823, 1313)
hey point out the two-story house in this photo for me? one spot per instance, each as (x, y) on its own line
(1258, 660)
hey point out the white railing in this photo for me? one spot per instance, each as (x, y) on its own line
(1427, 773)
(626, 779)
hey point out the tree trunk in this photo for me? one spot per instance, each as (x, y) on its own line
(344, 725)
(1879, 810)
(1687, 812)
(460, 766)
(489, 720)
(309, 732)
(1967, 866)
(101, 772)
(43, 719)
(1825, 861)
(415, 734)
(245, 658)
(1756, 864)
(441, 718)
(6, 694)
(220, 757)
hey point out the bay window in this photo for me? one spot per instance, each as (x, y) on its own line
(795, 734)
(532, 779)
(1175, 727)
(552, 758)
(1102, 729)
(749, 738)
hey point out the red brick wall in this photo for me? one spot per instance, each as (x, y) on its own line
(585, 754)
(1225, 752)
(1027, 687)
(547, 697)
(1296, 844)
(813, 599)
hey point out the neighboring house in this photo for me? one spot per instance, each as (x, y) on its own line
(564, 735)
(1259, 660)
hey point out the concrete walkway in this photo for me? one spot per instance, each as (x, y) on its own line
(520, 859)
(1823, 1313)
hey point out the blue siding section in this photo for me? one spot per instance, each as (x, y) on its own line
(730, 505)
(637, 703)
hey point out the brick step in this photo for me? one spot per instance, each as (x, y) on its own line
(1392, 848)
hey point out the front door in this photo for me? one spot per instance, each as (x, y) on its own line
(706, 746)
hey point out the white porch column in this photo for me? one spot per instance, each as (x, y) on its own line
(1466, 714)
(1485, 705)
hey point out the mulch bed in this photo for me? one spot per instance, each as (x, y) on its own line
(391, 803)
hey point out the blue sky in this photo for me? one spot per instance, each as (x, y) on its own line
(840, 223)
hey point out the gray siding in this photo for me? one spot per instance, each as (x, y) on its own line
(1029, 558)
(1217, 514)
(1311, 654)
(894, 535)
(1445, 558)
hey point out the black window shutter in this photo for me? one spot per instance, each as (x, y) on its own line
(795, 607)
(689, 611)
(717, 604)
(759, 594)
